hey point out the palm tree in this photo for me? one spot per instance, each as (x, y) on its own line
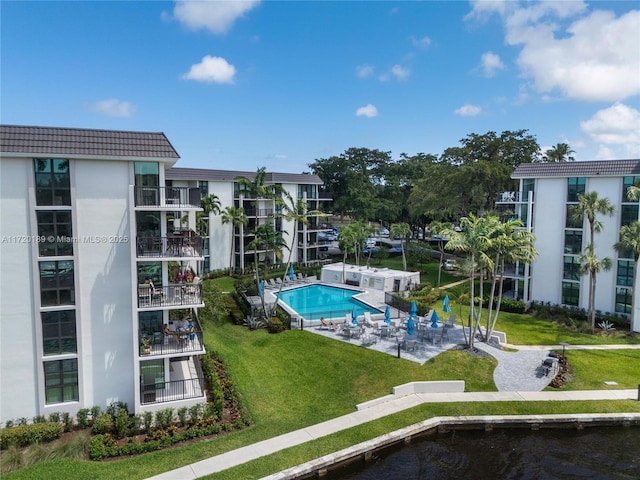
(210, 204)
(474, 239)
(268, 239)
(630, 242)
(258, 189)
(589, 206)
(347, 241)
(441, 230)
(509, 243)
(560, 153)
(296, 212)
(591, 265)
(633, 191)
(402, 230)
(236, 217)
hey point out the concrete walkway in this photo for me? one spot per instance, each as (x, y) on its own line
(515, 377)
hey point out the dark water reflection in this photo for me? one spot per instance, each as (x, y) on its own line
(593, 453)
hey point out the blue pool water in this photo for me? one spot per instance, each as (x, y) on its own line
(315, 301)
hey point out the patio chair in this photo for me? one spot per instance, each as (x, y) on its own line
(324, 324)
(367, 319)
(451, 322)
(144, 294)
(445, 334)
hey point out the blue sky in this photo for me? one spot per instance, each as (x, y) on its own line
(241, 85)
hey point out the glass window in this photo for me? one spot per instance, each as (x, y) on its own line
(528, 185)
(61, 381)
(204, 188)
(628, 214)
(626, 183)
(59, 332)
(152, 374)
(571, 270)
(150, 322)
(57, 283)
(53, 186)
(573, 241)
(55, 228)
(570, 293)
(147, 174)
(624, 275)
(572, 221)
(575, 187)
(152, 271)
(623, 300)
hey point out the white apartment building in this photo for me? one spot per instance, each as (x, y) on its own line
(547, 192)
(84, 233)
(225, 186)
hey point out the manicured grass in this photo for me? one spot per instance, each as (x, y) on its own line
(295, 379)
(226, 284)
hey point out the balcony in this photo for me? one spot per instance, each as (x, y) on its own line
(508, 197)
(173, 295)
(261, 212)
(186, 381)
(174, 343)
(168, 197)
(181, 244)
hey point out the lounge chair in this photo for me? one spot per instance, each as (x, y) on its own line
(367, 319)
(451, 322)
(324, 324)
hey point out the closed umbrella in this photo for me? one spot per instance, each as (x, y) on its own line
(387, 315)
(261, 287)
(434, 320)
(291, 272)
(411, 325)
(354, 316)
(445, 304)
(414, 308)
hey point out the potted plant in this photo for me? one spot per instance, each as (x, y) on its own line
(145, 344)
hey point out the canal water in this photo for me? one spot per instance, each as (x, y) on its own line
(611, 453)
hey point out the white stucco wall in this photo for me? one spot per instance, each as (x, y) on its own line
(103, 271)
(18, 382)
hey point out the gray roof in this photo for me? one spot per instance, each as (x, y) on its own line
(591, 168)
(80, 142)
(231, 175)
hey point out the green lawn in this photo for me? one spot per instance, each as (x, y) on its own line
(295, 379)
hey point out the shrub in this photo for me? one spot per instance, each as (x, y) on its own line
(194, 413)
(147, 421)
(39, 419)
(122, 423)
(182, 415)
(96, 411)
(275, 325)
(83, 418)
(24, 435)
(54, 417)
(102, 424)
(67, 421)
(164, 418)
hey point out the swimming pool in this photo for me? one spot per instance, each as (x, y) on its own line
(315, 301)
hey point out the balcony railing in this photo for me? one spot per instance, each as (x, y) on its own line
(262, 212)
(178, 197)
(174, 295)
(165, 343)
(172, 391)
(178, 244)
(508, 197)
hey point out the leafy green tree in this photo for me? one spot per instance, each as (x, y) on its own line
(630, 242)
(402, 230)
(589, 206)
(561, 152)
(236, 217)
(441, 230)
(347, 241)
(267, 239)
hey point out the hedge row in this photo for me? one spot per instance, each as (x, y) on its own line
(24, 435)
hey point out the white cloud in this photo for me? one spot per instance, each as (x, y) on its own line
(364, 71)
(211, 69)
(618, 125)
(468, 110)
(367, 111)
(423, 42)
(113, 108)
(216, 16)
(491, 62)
(400, 72)
(596, 57)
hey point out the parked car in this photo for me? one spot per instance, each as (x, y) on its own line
(449, 264)
(371, 242)
(384, 232)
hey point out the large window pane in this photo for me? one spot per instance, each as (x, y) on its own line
(628, 214)
(57, 283)
(54, 227)
(624, 275)
(573, 220)
(61, 381)
(626, 183)
(570, 293)
(59, 332)
(571, 270)
(623, 300)
(575, 187)
(573, 241)
(52, 181)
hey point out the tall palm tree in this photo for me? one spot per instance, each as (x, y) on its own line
(347, 241)
(441, 230)
(257, 189)
(474, 239)
(561, 152)
(296, 212)
(633, 191)
(591, 265)
(509, 243)
(589, 206)
(268, 239)
(210, 204)
(630, 242)
(236, 217)
(402, 230)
